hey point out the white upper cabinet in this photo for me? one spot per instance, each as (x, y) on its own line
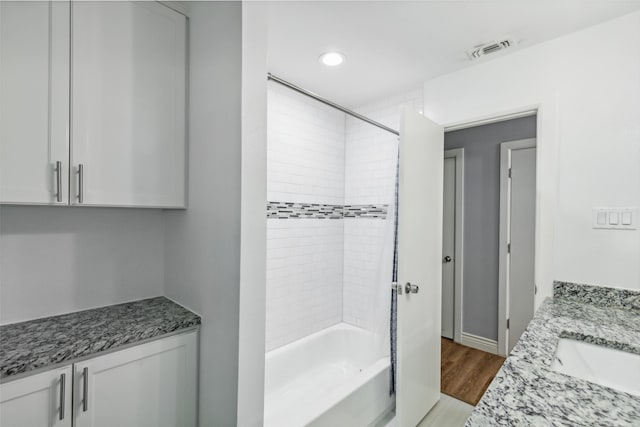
(123, 126)
(128, 78)
(34, 102)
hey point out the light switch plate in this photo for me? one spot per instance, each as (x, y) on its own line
(615, 218)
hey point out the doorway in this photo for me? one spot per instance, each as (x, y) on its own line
(474, 300)
(486, 286)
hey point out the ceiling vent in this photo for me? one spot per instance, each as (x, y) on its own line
(489, 48)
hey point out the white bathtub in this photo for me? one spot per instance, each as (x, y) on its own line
(331, 378)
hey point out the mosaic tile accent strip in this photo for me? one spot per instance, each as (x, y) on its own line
(365, 211)
(597, 295)
(290, 210)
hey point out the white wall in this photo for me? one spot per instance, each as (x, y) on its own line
(202, 256)
(305, 164)
(55, 260)
(370, 165)
(587, 86)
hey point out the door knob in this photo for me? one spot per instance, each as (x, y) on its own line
(447, 259)
(409, 288)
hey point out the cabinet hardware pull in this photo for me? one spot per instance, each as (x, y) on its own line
(62, 392)
(58, 181)
(80, 183)
(85, 389)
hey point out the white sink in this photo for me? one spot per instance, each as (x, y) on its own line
(598, 364)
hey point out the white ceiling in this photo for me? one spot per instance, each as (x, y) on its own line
(393, 46)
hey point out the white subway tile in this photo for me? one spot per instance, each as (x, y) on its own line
(321, 272)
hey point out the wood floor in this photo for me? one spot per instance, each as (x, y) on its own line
(466, 372)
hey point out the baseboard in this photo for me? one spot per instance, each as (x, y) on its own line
(481, 343)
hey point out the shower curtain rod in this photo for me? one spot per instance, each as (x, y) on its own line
(329, 103)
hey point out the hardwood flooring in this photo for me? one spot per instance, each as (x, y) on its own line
(465, 372)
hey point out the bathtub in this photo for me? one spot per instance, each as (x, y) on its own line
(331, 378)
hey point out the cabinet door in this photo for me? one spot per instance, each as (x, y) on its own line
(38, 400)
(153, 385)
(34, 102)
(128, 104)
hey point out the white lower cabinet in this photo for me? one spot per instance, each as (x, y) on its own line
(38, 400)
(148, 385)
(152, 384)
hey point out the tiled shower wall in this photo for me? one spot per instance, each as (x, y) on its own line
(304, 256)
(324, 271)
(370, 162)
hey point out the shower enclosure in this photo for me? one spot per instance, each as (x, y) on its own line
(331, 186)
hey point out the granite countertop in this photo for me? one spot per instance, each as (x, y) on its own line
(526, 392)
(49, 341)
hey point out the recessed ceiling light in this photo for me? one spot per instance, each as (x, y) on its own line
(331, 59)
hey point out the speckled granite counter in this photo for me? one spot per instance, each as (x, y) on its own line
(39, 343)
(526, 392)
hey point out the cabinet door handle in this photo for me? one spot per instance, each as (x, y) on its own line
(59, 182)
(62, 393)
(85, 389)
(80, 183)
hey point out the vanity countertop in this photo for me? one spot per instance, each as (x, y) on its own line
(526, 392)
(35, 344)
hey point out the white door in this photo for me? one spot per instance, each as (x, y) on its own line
(522, 238)
(420, 265)
(517, 240)
(152, 385)
(34, 102)
(128, 104)
(448, 246)
(38, 400)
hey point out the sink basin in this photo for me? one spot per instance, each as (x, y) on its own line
(606, 366)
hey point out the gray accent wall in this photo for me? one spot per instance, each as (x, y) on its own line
(482, 217)
(202, 254)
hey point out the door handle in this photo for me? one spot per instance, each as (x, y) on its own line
(58, 170)
(447, 259)
(80, 183)
(411, 289)
(62, 395)
(85, 389)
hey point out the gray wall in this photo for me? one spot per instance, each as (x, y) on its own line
(202, 251)
(482, 217)
(253, 264)
(55, 260)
